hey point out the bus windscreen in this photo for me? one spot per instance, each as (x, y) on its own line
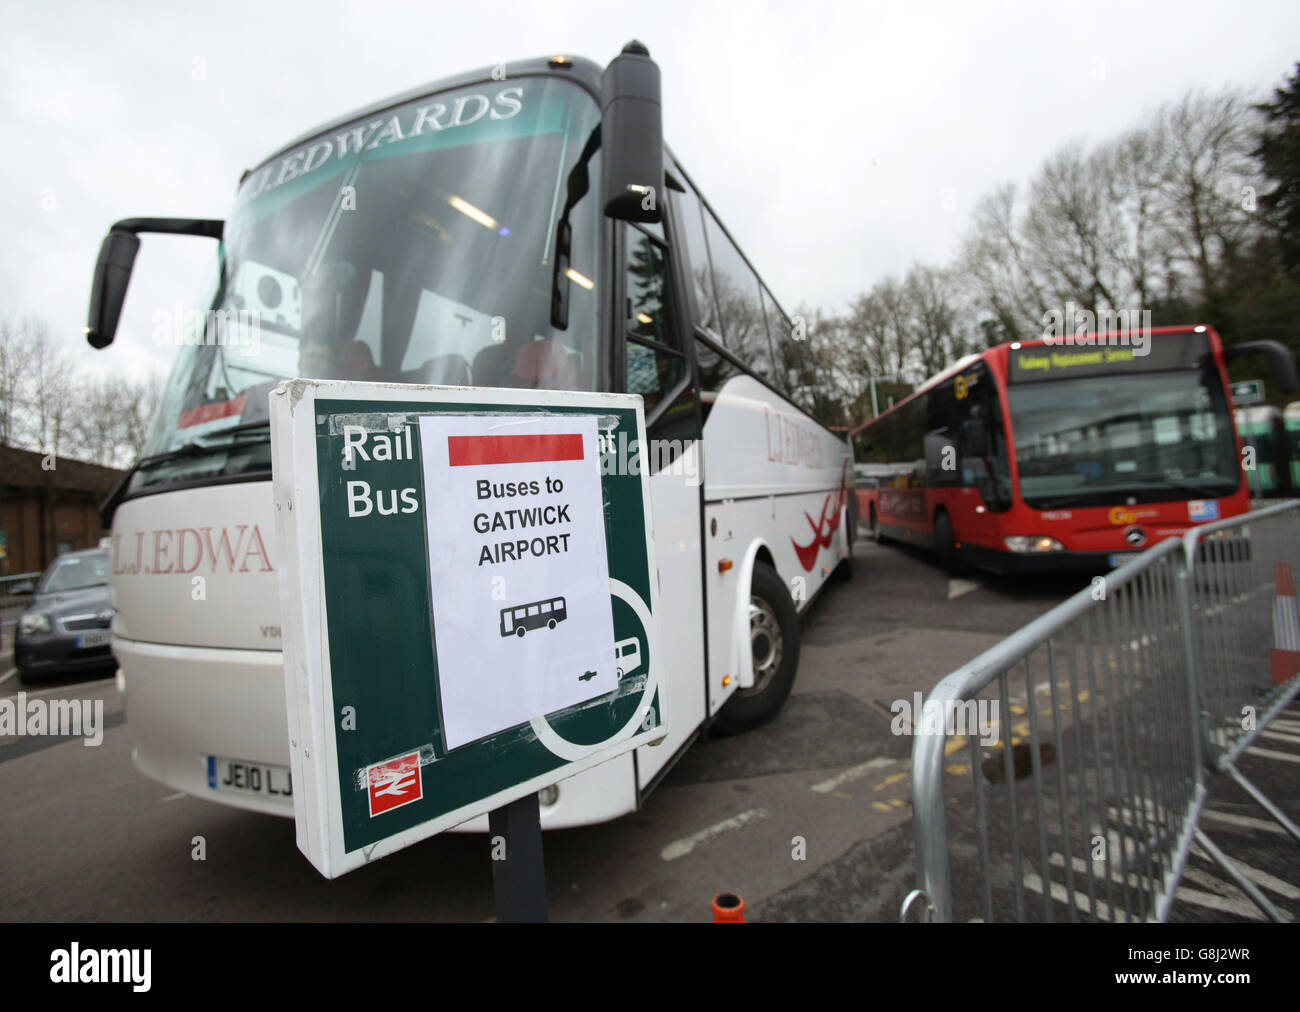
(411, 246)
(1147, 437)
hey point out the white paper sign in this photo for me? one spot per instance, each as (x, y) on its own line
(520, 579)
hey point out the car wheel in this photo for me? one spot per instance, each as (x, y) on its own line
(774, 641)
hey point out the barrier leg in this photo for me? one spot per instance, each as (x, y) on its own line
(1278, 815)
(1243, 883)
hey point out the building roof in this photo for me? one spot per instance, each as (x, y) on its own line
(22, 469)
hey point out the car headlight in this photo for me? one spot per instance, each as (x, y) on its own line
(34, 622)
(1034, 543)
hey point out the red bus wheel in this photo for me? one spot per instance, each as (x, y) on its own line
(945, 546)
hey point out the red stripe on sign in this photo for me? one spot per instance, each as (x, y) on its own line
(466, 451)
(211, 412)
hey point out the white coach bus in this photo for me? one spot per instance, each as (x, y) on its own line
(475, 232)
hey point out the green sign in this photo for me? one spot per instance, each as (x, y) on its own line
(468, 603)
(1248, 392)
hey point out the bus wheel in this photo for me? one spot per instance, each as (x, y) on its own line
(520, 632)
(945, 546)
(774, 640)
(875, 527)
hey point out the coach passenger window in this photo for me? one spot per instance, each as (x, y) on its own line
(740, 305)
(692, 228)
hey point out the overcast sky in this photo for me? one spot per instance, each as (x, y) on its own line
(825, 134)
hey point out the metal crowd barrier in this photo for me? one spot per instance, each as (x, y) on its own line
(1077, 750)
(1249, 633)
(11, 606)
(9, 583)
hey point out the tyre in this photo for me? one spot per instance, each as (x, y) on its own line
(844, 571)
(945, 546)
(876, 532)
(774, 639)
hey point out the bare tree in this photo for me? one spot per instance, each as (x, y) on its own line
(49, 389)
(1153, 215)
(111, 427)
(1209, 142)
(48, 405)
(15, 365)
(934, 318)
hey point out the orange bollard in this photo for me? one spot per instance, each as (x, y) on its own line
(728, 908)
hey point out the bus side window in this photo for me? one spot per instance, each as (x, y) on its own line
(740, 303)
(943, 460)
(691, 236)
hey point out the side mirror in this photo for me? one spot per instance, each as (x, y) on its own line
(24, 589)
(632, 141)
(1279, 358)
(113, 268)
(108, 289)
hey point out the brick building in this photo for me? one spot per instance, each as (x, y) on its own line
(45, 512)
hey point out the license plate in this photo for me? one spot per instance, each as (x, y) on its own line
(92, 639)
(242, 777)
(1119, 558)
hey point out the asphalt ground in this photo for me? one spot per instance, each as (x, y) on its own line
(807, 818)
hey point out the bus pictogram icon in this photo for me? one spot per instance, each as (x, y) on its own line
(517, 620)
(627, 655)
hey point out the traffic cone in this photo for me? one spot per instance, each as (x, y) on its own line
(728, 908)
(1286, 626)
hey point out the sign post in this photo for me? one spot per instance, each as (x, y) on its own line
(461, 568)
(519, 881)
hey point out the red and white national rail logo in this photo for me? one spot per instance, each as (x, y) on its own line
(394, 783)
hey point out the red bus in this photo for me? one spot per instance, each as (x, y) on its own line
(1069, 453)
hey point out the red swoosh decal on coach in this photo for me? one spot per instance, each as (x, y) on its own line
(824, 528)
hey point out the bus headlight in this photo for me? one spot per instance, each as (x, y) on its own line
(548, 796)
(1033, 543)
(34, 622)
